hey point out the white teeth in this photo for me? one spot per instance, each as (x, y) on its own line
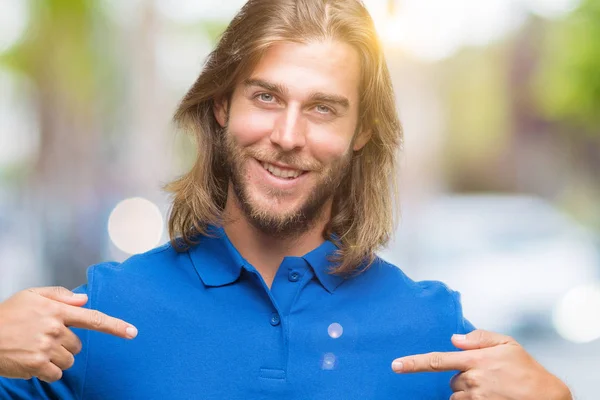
(280, 173)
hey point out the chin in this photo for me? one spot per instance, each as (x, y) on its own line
(277, 211)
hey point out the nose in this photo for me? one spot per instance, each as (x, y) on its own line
(289, 130)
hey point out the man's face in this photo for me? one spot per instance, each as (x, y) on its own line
(290, 133)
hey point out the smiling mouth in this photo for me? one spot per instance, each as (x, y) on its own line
(282, 173)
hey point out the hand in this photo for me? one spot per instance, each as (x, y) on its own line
(493, 366)
(34, 336)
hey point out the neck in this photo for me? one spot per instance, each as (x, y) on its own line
(266, 251)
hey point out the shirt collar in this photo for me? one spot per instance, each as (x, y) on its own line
(215, 259)
(319, 260)
(218, 263)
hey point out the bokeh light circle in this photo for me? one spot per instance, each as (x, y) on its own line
(135, 225)
(329, 361)
(576, 316)
(335, 330)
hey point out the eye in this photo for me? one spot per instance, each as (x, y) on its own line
(322, 109)
(266, 97)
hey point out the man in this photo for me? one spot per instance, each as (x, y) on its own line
(270, 287)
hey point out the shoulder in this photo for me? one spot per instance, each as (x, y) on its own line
(396, 292)
(139, 263)
(163, 267)
(391, 278)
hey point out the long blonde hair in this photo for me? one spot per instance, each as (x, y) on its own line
(362, 215)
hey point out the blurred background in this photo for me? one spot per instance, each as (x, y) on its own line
(500, 102)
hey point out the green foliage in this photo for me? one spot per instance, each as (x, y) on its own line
(476, 94)
(58, 51)
(568, 84)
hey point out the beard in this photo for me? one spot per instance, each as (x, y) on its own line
(293, 222)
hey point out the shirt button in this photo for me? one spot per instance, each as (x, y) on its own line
(275, 320)
(294, 276)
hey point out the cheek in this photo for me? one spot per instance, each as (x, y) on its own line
(248, 126)
(329, 147)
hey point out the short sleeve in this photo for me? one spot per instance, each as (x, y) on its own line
(463, 325)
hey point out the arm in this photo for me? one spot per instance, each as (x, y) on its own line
(37, 342)
(491, 366)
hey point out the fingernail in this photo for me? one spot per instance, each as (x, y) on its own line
(397, 365)
(460, 338)
(80, 296)
(131, 331)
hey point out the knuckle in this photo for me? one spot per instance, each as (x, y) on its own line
(119, 326)
(472, 379)
(478, 396)
(33, 290)
(77, 346)
(25, 297)
(59, 290)
(409, 364)
(480, 334)
(70, 361)
(45, 344)
(38, 361)
(455, 381)
(53, 376)
(54, 328)
(436, 361)
(57, 376)
(96, 318)
(53, 308)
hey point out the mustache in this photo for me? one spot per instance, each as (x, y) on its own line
(294, 161)
(233, 151)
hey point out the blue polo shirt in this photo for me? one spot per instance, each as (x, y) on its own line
(209, 328)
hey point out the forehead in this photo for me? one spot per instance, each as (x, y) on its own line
(320, 66)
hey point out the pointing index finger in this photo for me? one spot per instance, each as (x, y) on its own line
(97, 321)
(434, 362)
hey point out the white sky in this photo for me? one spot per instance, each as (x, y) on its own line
(428, 29)
(13, 21)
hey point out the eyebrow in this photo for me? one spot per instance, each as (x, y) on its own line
(341, 101)
(319, 97)
(271, 87)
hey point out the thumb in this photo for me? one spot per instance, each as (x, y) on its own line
(480, 339)
(59, 293)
